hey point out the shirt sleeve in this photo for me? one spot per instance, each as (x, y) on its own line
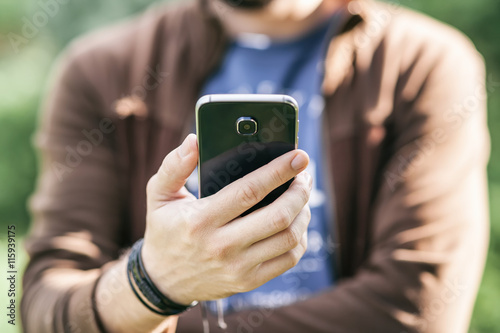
(76, 210)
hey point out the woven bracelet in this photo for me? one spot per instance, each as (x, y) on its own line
(144, 288)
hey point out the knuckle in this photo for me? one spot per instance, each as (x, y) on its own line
(218, 253)
(293, 258)
(191, 229)
(276, 176)
(307, 212)
(228, 247)
(291, 238)
(296, 256)
(303, 245)
(194, 225)
(222, 252)
(304, 193)
(248, 194)
(280, 220)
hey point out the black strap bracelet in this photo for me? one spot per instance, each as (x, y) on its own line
(144, 288)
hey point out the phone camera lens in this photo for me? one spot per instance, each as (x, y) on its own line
(246, 126)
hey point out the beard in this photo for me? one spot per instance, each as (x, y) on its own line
(248, 4)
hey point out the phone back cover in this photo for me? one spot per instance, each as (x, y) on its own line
(226, 155)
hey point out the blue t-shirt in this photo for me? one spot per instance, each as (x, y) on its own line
(255, 64)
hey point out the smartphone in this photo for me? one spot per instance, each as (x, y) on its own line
(239, 133)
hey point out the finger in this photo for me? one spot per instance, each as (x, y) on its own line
(273, 218)
(174, 170)
(239, 196)
(272, 268)
(281, 242)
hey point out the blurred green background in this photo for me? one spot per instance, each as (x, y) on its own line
(25, 65)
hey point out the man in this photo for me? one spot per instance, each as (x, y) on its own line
(403, 149)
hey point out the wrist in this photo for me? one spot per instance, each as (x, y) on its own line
(118, 307)
(162, 278)
(146, 290)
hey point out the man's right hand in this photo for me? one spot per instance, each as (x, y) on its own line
(201, 249)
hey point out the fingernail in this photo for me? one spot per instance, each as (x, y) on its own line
(185, 148)
(299, 162)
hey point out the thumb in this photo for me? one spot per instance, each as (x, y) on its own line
(174, 170)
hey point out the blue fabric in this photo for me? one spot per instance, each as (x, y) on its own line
(256, 65)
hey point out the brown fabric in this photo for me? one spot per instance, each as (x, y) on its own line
(406, 146)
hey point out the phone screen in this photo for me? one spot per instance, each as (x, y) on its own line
(238, 137)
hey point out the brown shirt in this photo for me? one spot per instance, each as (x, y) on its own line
(406, 146)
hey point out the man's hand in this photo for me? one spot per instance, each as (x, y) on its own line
(202, 249)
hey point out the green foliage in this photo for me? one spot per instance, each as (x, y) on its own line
(23, 75)
(10, 12)
(19, 99)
